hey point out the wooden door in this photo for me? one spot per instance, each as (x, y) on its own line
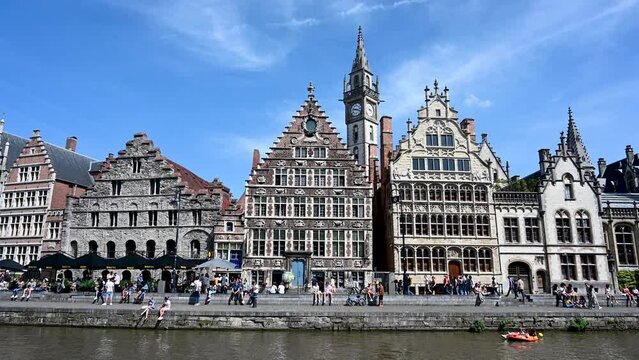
(454, 269)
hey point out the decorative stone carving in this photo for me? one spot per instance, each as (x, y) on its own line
(320, 163)
(454, 253)
(338, 223)
(319, 192)
(299, 192)
(338, 263)
(260, 223)
(257, 263)
(280, 222)
(261, 179)
(319, 224)
(318, 263)
(326, 141)
(277, 263)
(357, 263)
(358, 225)
(293, 140)
(358, 194)
(281, 163)
(299, 223)
(260, 191)
(338, 191)
(280, 191)
(300, 162)
(358, 181)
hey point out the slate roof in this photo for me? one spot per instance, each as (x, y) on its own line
(16, 144)
(620, 200)
(614, 175)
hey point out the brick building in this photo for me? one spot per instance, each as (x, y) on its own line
(36, 179)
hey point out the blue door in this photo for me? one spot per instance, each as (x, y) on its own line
(297, 267)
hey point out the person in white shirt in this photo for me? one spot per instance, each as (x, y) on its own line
(197, 284)
(109, 286)
(281, 289)
(116, 280)
(273, 289)
(165, 307)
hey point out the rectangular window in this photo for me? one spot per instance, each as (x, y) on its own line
(4, 228)
(197, 217)
(15, 225)
(31, 198)
(319, 153)
(133, 218)
(432, 140)
(433, 164)
(358, 208)
(301, 152)
(319, 207)
(42, 197)
(339, 207)
(137, 165)
(259, 242)
(483, 225)
(511, 230)
(463, 165)
(589, 267)
(153, 218)
(532, 230)
(23, 174)
(339, 243)
(447, 140)
(279, 242)
(319, 243)
(173, 214)
(300, 177)
(116, 187)
(419, 164)
(568, 267)
(319, 177)
(54, 230)
(155, 186)
(280, 206)
(260, 205)
(299, 206)
(34, 173)
(95, 219)
(467, 225)
(19, 199)
(38, 221)
(563, 230)
(358, 243)
(113, 216)
(339, 177)
(280, 177)
(299, 240)
(8, 200)
(448, 164)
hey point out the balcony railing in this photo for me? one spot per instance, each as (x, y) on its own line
(622, 213)
(515, 197)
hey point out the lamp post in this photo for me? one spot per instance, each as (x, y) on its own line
(397, 200)
(177, 199)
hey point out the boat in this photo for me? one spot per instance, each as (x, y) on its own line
(518, 336)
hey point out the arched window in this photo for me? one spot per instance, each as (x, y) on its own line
(405, 192)
(470, 259)
(435, 193)
(130, 247)
(93, 246)
(452, 225)
(562, 223)
(355, 133)
(450, 193)
(420, 192)
(465, 193)
(150, 249)
(584, 233)
(422, 259)
(625, 245)
(74, 248)
(229, 226)
(439, 259)
(485, 260)
(195, 249)
(410, 259)
(170, 247)
(437, 225)
(481, 194)
(421, 224)
(110, 250)
(406, 224)
(569, 193)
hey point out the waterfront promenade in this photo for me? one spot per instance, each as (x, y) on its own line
(292, 312)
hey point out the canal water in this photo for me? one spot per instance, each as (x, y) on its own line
(122, 344)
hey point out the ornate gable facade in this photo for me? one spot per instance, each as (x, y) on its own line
(308, 206)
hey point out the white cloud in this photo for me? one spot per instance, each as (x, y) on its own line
(215, 29)
(361, 7)
(296, 23)
(473, 101)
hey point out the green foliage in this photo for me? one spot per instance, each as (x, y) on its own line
(125, 284)
(525, 185)
(627, 277)
(578, 324)
(86, 285)
(477, 326)
(505, 324)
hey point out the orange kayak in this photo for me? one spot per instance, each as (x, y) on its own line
(516, 336)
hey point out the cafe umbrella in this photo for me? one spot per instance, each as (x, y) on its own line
(92, 261)
(169, 261)
(216, 264)
(133, 261)
(55, 261)
(8, 264)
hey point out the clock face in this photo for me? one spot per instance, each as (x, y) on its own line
(356, 109)
(311, 125)
(369, 110)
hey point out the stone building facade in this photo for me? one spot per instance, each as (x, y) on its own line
(308, 206)
(442, 183)
(134, 206)
(36, 178)
(228, 234)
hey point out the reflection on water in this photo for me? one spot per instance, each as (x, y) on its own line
(75, 343)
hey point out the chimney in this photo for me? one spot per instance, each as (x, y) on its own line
(72, 143)
(630, 154)
(256, 158)
(601, 164)
(544, 160)
(468, 126)
(386, 145)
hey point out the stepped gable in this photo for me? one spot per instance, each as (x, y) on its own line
(15, 143)
(575, 142)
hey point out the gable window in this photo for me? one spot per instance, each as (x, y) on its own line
(448, 164)
(301, 152)
(358, 208)
(300, 177)
(260, 205)
(463, 165)
(432, 140)
(137, 165)
(319, 177)
(155, 186)
(447, 140)
(433, 164)
(280, 177)
(280, 206)
(229, 226)
(438, 112)
(116, 187)
(569, 193)
(23, 174)
(419, 164)
(562, 223)
(584, 233)
(339, 177)
(319, 152)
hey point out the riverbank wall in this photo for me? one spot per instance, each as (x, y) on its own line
(335, 319)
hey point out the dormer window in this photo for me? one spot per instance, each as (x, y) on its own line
(569, 193)
(438, 112)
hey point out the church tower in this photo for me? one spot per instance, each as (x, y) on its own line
(361, 101)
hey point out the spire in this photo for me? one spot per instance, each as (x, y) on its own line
(360, 62)
(2, 123)
(575, 142)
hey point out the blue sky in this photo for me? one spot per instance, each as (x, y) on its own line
(211, 80)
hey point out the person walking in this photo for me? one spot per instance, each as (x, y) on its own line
(520, 289)
(380, 295)
(197, 288)
(109, 287)
(512, 286)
